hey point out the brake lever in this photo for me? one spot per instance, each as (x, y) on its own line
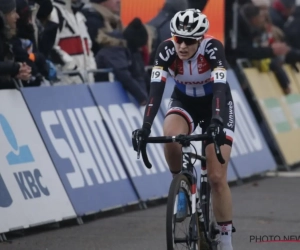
(139, 147)
(217, 149)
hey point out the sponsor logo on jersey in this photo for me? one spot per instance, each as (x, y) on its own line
(211, 51)
(177, 66)
(231, 115)
(195, 82)
(202, 64)
(168, 53)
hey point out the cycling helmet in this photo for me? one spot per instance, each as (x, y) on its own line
(190, 23)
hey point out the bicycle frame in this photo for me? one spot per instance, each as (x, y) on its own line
(188, 171)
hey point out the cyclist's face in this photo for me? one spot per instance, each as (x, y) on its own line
(185, 47)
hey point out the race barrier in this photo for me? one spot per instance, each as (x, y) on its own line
(66, 152)
(31, 192)
(280, 111)
(83, 154)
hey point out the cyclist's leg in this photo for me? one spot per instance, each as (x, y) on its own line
(217, 175)
(177, 121)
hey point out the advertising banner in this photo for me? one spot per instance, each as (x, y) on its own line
(78, 143)
(250, 153)
(122, 117)
(280, 111)
(31, 192)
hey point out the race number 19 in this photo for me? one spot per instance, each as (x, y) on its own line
(220, 75)
(156, 75)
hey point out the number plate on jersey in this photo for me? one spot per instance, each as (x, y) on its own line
(157, 74)
(219, 75)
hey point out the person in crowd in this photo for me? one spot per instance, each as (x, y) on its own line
(280, 11)
(127, 62)
(25, 45)
(102, 18)
(72, 46)
(292, 29)
(258, 44)
(9, 68)
(161, 22)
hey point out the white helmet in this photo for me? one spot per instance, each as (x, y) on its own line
(195, 21)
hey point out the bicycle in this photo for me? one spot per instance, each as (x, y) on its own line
(202, 230)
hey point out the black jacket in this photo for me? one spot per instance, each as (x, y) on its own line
(161, 22)
(245, 43)
(292, 29)
(8, 67)
(128, 68)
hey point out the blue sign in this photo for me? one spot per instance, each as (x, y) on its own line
(19, 155)
(122, 117)
(5, 197)
(24, 154)
(250, 153)
(84, 155)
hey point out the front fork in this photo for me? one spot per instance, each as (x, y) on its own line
(204, 201)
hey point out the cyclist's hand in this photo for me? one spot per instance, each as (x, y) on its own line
(215, 129)
(138, 136)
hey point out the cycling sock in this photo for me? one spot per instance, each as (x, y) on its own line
(225, 235)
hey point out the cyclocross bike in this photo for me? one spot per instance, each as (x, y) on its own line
(201, 231)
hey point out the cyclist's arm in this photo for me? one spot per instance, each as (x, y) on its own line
(163, 59)
(215, 55)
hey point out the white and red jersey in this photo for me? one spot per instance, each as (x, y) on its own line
(202, 75)
(72, 42)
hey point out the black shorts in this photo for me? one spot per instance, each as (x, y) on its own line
(198, 111)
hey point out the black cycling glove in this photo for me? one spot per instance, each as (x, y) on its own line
(215, 129)
(139, 135)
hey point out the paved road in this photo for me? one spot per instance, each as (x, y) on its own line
(270, 206)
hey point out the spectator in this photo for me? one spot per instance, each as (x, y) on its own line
(197, 4)
(9, 69)
(40, 13)
(102, 18)
(24, 45)
(280, 11)
(292, 29)
(259, 45)
(161, 22)
(43, 9)
(127, 63)
(72, 46)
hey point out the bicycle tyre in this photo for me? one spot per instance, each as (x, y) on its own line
(212, 224)
(209, 218)
(176, 184)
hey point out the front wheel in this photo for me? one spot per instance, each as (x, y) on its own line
(182, 226)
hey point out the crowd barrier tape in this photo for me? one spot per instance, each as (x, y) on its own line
(78, 155)
(31, 192)
(280, 111)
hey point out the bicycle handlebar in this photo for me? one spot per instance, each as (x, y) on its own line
(178, 138)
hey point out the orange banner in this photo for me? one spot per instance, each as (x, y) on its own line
(147, 9)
